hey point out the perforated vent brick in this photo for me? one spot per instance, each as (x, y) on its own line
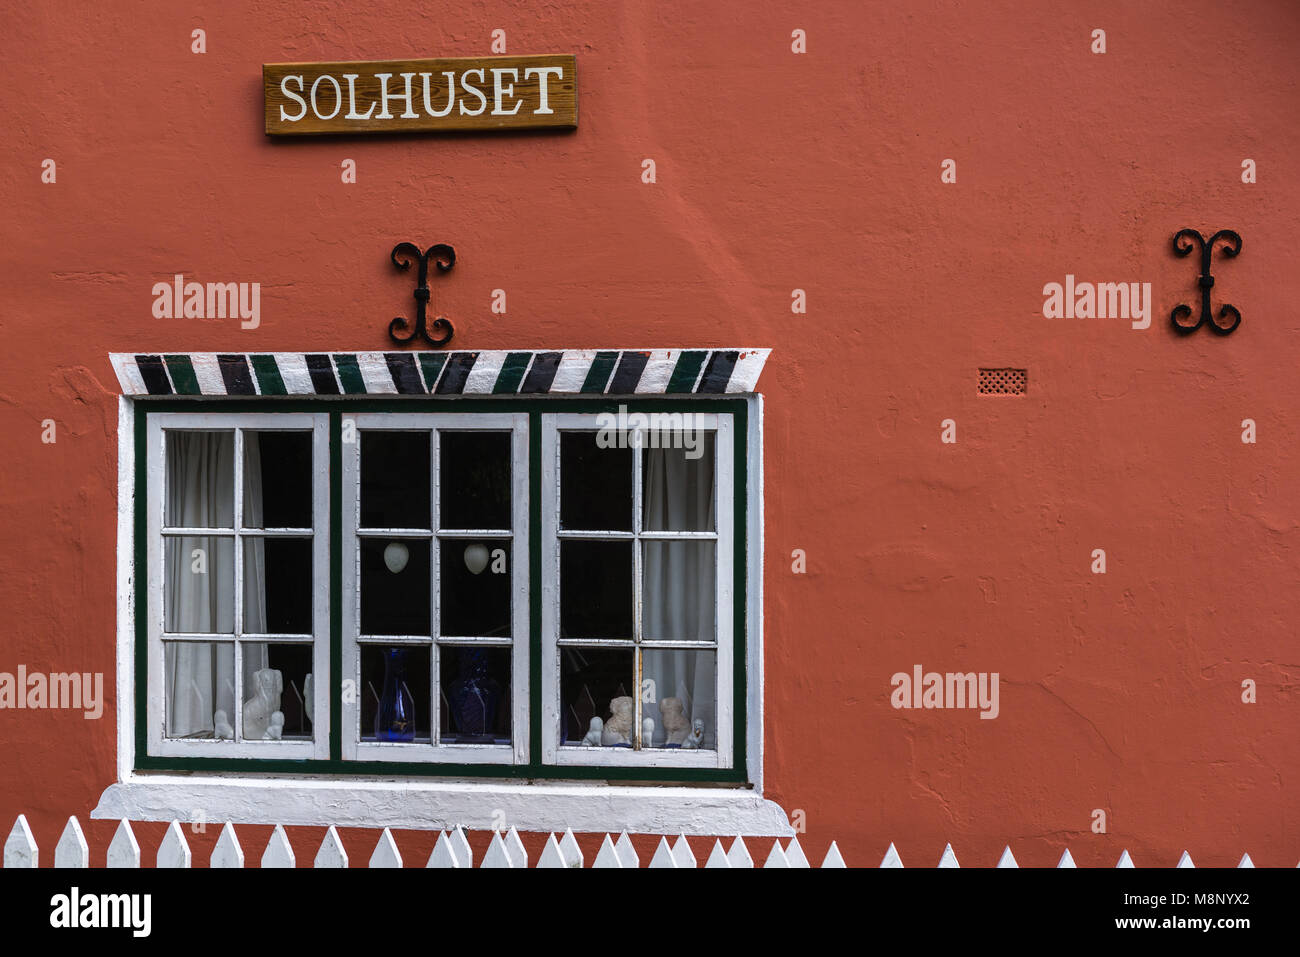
(1003, 381)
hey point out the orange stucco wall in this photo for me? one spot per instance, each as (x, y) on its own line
(775, 171)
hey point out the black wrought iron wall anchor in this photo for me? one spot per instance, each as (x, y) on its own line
(444, 257)
(1185, 241)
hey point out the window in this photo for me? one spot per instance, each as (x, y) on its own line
(637, 527)
(510, 588)
(435, 587)
(238, 532)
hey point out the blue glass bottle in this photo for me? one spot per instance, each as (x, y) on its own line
(395, 718)
(475, 695)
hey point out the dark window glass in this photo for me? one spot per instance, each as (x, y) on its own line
(595, 589)
(288, 694)
(590, 679)
(475, 701)
(395, 693)
(277, 585)
(394, 586)
(394, 479)
(474, 480)
(595, 484)
(277, 480)
(474, 585)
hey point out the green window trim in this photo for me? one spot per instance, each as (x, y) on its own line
(737, 775)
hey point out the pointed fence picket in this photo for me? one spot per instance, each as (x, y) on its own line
(72, 849)
(452, 849)
(331, 853)
(174, 851)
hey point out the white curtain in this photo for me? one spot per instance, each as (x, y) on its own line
(679, 585)
(200, 494)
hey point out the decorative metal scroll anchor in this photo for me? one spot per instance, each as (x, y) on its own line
(1185, 241)
(403, 255)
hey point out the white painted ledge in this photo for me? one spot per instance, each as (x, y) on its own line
(439, 805)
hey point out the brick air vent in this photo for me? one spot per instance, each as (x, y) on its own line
(1003, 381)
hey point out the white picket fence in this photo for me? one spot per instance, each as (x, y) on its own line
(451, 850)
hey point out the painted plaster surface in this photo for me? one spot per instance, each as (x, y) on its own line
(774, 171)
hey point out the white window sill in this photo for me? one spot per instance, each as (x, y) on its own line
(433, 805)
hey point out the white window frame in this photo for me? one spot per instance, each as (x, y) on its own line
(354, 749)
(553, 751)
(424, 802)
(239, 422)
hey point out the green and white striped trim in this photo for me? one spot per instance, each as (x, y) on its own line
(564, 372)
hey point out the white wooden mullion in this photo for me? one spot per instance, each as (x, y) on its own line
(239, 550)
(723, 630)
(594, 535)
(678, 536)
(382, 640)
(637, 598)
(626, 644)
(477, 641)
(155, 685)
(322, 679)
(350, 454)
(237, 719)
(503, 534)
(550, 604)
(435, 594)
(520, 607)
(394, 533)
(237, 627)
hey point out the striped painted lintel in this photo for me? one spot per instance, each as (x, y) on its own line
(501, 372)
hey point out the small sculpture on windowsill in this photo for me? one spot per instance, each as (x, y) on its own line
(647, 732)
(676, 727)
(617, 732)
(275, 728)
(695, 739)
(221, 727)
(261, 709)
(592, 740)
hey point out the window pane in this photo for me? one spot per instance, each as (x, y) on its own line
(199, 585)
(683, 689)
(394, 586)
(475, 702)
(595, 484)
(591, 681)
(677, 486)
(595, 589)
(395, 693)
(474, 480)
(277, 586)
(679, 590)
(200, 679)
(474, 584)
(200, 479)
(394, 479)
(277, 704)
(277, 480)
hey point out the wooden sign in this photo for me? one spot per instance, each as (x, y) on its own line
(415, 96)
